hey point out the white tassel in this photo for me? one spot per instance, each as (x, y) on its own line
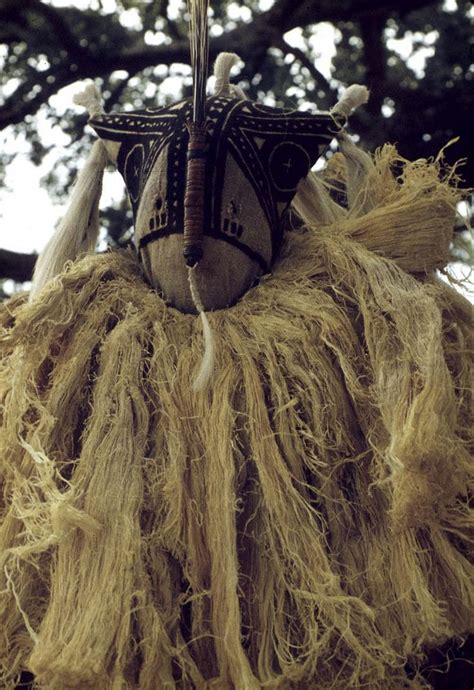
(352, 98)
(222, 67)
(207, 363)
(90, 98)
(78, 230)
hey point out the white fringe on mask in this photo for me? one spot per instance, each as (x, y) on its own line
(90, 98)
(222, 66)
(352, 98)
(78, 230)
(207, 363)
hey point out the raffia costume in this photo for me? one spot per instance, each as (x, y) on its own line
(301, 521)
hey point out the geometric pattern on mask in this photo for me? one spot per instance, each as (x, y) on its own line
(273, 148)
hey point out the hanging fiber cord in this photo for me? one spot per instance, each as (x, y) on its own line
(206, 368)
(195, 178)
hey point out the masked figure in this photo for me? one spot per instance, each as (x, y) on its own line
(298, 519)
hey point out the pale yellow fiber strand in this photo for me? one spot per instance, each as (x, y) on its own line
(305, 524)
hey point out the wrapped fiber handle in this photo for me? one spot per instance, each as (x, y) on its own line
(194, 193)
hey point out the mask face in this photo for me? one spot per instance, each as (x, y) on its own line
(255, 159)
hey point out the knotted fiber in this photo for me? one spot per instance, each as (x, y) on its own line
(303, 523)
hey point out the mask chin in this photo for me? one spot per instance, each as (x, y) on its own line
(224, 273)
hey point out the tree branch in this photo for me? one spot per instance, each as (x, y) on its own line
(63, 33)
(372, 29)
(16, 266)
(246, 40)
(116, 92)
(356, 10)
(306, 62)
(22, 102)
(13, 13)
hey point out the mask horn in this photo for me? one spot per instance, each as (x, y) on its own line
(78, 230)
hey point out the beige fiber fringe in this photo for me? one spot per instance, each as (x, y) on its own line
(303, 522)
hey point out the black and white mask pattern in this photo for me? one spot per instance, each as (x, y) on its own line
(256, 157)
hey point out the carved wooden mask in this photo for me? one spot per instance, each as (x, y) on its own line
(256, 157)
